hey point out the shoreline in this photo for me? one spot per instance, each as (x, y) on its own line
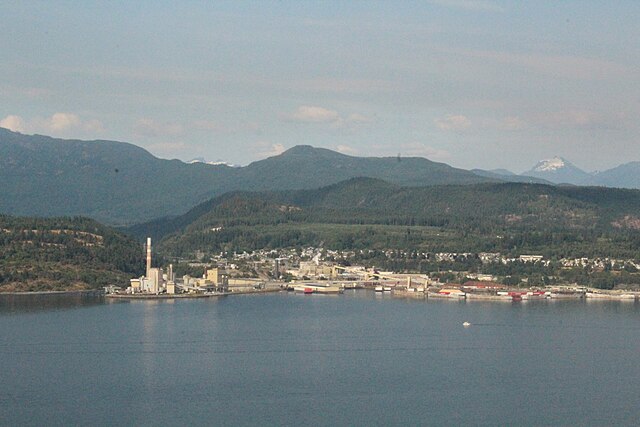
(85, 291)
(599, 295)
(189, 296)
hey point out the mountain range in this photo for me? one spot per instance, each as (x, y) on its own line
(558, 170)
(121, 184)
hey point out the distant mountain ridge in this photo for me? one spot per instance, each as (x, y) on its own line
(316, 167)
(559, 170)
(626, 176)
(120, 183)
(110, 181)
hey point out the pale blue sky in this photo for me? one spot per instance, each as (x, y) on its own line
(473, 83)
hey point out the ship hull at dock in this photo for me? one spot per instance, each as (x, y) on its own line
(309, 289)
(488, 297)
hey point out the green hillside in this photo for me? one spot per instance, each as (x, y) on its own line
(373, 214)
(64, 254)
(119, 183)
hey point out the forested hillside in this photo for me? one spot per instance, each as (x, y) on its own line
(372, 214)
(64, 254)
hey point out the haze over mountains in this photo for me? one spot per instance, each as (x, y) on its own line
(120, 183)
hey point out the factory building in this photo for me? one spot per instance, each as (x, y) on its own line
(218, 278)
(154, 281)
(314, 269)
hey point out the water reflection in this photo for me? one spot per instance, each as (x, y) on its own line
(23, 303)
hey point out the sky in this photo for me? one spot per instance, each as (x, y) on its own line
(472, 83)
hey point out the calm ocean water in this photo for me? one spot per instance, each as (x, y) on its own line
(287, 359)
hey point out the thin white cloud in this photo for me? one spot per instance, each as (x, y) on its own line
(151, 128)
(267, 149)
(511, 123)
(345, 149)
(166, 149)
(312, 114)
(470, 5)
(13, 123)
(340, 86)
(579, 119)
(453, 123)
(206, 125)
(419, 149)
(357, 118)
(573, 118)
(219, 127)
(37, 92)
(321, 115)
(563, 66)
(93, 126)
(58, 124)
(62, 121)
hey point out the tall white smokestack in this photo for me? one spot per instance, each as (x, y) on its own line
(148, 256)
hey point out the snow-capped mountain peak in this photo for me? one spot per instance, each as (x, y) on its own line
(550, 165)
(559, 171)
(216, 163)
